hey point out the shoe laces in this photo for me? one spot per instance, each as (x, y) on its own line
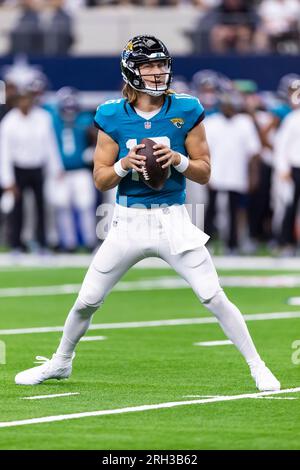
(44, 360)
(41, 360)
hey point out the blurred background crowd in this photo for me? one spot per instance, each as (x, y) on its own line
(214, 26)
(47, 198)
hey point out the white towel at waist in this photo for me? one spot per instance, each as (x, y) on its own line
(181, 233)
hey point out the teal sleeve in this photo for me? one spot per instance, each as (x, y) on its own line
(105, 120)
(196, 115)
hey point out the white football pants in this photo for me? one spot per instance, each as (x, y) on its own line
(139, 233)
(136, 234)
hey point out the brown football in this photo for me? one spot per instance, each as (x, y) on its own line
(153, 174)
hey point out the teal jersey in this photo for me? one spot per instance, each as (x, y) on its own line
(281, 110)
(179, 114)
(72, 138)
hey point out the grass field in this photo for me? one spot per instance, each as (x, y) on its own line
(147, 365)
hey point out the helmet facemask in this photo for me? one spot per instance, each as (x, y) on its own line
(139, 52)
(155, 84)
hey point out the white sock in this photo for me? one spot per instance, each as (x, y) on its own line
(234, 326)
(77, 323)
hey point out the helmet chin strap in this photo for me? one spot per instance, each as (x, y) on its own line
(153, 92)
(149, 91)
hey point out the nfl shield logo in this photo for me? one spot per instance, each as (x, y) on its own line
(147, 125)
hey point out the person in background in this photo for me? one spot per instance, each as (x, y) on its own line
(6, 202)
(280, 24)
(287, 161)
(28, 152)
(75, 197)
(233, 142)
(207, 85)
(266, 122)
(27, 35)
(58, 36)
(230, 26)
(180, 84)
(286, 90)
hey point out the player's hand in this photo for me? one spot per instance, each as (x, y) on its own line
(133, 161)
(166, 155)
(60, 175)
(12, 189)
(286, 176)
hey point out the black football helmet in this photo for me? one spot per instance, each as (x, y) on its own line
(141, 50)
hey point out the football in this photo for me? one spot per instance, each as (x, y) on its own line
(153, 174)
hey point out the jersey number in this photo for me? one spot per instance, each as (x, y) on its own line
(159, 140)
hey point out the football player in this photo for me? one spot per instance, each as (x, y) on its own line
(75, 192)
(147, 222)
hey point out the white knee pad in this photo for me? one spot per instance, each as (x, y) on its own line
(84, 309)
(218, 299)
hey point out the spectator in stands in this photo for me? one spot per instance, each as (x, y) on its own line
(27, 36)
(280, 23)
(28, 149)
(229, 27)
(59, 34)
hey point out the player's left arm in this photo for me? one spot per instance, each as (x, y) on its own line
(196, 145)
(198, 151)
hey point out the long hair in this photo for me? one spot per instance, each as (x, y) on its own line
(132, 95)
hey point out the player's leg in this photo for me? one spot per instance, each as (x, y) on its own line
(287, 236)
(16, 219)
(233, 199)
(37, 186)
(113, 259)
(197, 268)
(59, 196)
(83, 199)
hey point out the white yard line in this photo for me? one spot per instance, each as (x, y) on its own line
(214, 343)
(37, 291)
(82, 261)
(276, 398)
(157, 284)
(201, 396)
(154, 323)
(133, 409)
(294, 301)
(54, 395)
(93, 338)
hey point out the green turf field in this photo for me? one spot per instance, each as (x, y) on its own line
(146, 365)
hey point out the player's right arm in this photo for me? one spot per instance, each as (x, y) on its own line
(105, 156)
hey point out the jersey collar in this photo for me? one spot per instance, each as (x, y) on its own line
(129, 108)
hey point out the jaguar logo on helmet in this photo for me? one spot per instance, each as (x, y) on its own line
(129, 46)
(140, 50)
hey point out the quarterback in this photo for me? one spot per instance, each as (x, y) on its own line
(150, 222)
